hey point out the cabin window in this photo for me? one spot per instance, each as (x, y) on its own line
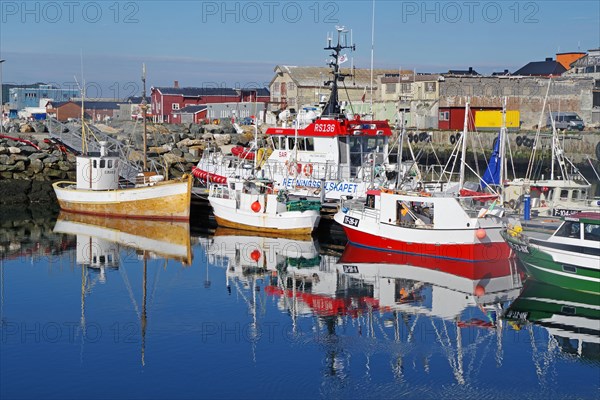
(109, 164)
(591, 232)
(414, 213)
(102, 163)
(569, 229)
(291, 143)
(575, 195)
(310, 144)
(301, 144)
(109, 258)
(276, 143)
(102, 259)
(564, 194)
(355, 151)
(94, 164)
(583, 194)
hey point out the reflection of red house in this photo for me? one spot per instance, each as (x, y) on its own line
(453, 118)
(167, 100)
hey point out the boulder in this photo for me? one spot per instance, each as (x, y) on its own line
(36, 166)
(170, 158)
(25, 128)
(222, 139)
(14, 150)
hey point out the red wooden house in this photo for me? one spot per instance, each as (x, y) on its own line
(167, 100)
(453, 118)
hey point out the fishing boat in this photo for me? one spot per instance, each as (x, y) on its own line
(256, 205)
(330, 154)
(571, 317)
(569, 258)
(98, 191)
(439, 224)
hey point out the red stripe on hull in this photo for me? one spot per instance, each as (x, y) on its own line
(465, 252)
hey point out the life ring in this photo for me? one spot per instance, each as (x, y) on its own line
(423, 136)
(416, 138)
(452, 139)
(294, 168)
(598, 151)
(519, 141)
(308, 169)
(529, 142)
(410, 137)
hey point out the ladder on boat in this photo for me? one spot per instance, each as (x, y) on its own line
(70, 135)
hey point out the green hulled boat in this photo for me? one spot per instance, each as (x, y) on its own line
(570, 258)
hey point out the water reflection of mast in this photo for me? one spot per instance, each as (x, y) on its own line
(143, 315)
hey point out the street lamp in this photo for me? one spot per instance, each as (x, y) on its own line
(1, 101)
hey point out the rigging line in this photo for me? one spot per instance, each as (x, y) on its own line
(130, 291)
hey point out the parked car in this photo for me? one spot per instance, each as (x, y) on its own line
(565, 120)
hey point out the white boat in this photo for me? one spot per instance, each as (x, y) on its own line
(256, 206)
(97, 190)
(326, 155)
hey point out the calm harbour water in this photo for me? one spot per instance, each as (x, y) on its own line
(100, 309)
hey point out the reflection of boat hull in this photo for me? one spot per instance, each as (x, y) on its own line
(166, 239)
(563, 312)
(458, 281)
(571, 270)
(169, 200)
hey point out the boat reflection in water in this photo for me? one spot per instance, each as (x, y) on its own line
(377, 296)
(571, 318)
(100, 238)
(103, 241)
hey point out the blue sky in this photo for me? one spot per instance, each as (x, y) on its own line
(235, 43)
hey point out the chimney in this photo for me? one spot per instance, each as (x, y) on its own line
(548, 58)
(470, 69)
(176, 84)
(506, 72)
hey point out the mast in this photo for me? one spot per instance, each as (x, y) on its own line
(464, 146)
(332, 108)
(144, 113)
(502, 151)
(372, 53)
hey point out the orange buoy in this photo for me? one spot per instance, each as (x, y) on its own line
(255, 206)
(480, 233)
(479, 290)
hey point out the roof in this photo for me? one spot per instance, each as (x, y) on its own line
(198, 91)
(101, 105)
(137, 100)
(316, 76)
(190, 110)
(259, 91)
(541, 68)
(469, 71)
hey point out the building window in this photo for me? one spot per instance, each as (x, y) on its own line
(390, 88)
(175, 106)
(430, 86)
(444, 115)
(405, 87)
(276, 88)
(291, 86)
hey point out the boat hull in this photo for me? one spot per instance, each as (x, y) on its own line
(286, 223)
(169, 200)
(470, 252)
(544, 264)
